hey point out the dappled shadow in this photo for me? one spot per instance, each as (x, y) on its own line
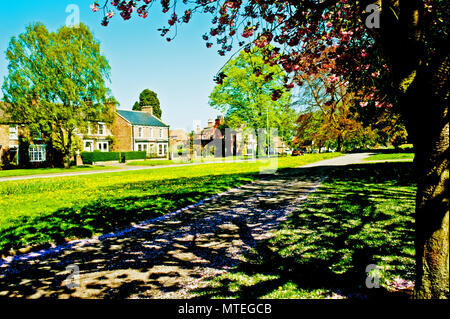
(84, 219)
(328, 248)
(327, 244)
(161, 256)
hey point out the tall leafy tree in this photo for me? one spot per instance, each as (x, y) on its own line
(56, 83)
(330, 96)
(394, 52)
(246, 95)
(148, 97)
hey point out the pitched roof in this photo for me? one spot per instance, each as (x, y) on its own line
(141, 118)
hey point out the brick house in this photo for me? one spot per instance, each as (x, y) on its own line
(141, 131)
(9, 140)
(97, 137)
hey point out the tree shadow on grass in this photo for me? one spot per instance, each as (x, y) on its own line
(361, 216)
(325, 245)
(158, 257)
(110, 213)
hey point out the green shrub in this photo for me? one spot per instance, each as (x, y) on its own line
(134, 155)
(91, 157)
(96, 156)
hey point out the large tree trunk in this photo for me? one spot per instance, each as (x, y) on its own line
(421, 78)
(431, 141)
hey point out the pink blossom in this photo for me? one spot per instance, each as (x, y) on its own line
(333, 78)
(363, 104)
(110, 14)
(94, 7)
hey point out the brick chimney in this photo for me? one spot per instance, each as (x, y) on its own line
(147, 109)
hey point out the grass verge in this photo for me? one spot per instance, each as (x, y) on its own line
(392, 156)
(361, 215)
(42, 171)
(156, 162)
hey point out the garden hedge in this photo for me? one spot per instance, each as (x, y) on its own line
(93, 157)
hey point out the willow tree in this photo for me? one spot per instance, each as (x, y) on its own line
(56, 83)
(394, 52)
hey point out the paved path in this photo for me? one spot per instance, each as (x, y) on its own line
(169, 256)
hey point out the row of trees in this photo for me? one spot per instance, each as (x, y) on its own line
(321, 114)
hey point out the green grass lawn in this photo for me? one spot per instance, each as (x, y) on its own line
(54, 210)
(156, 162)
(41, 171)
(392, 156)
(360, 215)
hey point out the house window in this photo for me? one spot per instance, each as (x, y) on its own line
(103, 146)
(160, 133)
(89, 130)
(13, 132)
(151, 132)
(160, 149)
(37, 153)
(89, 146)
(142, 147)
(140, 132)
(101, 129)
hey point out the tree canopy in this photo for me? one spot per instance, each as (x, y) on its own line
(56, 83)
(148, 97)
(247, 98)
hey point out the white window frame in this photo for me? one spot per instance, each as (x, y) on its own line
(13, 132)
(103, 126)
(37, 153)
(92, 145)
(162, 149)
(100, 148)
(143, 147)
(151, 132)
(140, 131)
(89, 129)
(160, 133)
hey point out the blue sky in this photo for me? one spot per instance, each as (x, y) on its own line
(180, 72)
